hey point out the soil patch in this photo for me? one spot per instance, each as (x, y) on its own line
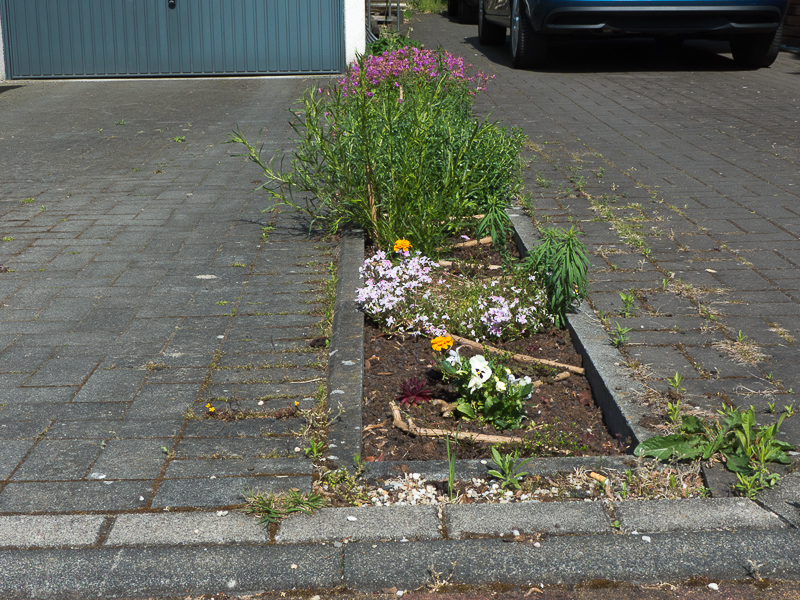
(563, 418)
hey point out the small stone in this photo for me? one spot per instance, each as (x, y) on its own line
(400, 593)
(713, 586)
(317, 597)
(537, 545)
(141, 498)
(351, 518)
(297, 448)
(337, 544)
(646, 538)
(294, 566)
(515, 532)
(97, 476)
(213, 477)
(222, 513)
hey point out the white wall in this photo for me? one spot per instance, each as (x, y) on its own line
(2, 54)
(354, 28)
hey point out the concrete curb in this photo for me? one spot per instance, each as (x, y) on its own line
(612, 386)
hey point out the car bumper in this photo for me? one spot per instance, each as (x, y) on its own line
(706, 20)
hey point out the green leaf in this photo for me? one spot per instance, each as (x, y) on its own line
(738, 463)
(691, 424)
(467, 410)
(676, 445)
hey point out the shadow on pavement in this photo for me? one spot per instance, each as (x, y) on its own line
(623, 55)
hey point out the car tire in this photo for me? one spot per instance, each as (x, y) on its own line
(528, 48)
(467, 15)
(489, 34)
(452, 8)
(756, 51)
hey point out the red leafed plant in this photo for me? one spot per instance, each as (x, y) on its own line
(412, 392)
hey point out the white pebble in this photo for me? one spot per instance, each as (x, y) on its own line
(713, 586)
(515, 532)
(350, 518)
(646, 538)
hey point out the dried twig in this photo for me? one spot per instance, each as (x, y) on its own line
(518, 357)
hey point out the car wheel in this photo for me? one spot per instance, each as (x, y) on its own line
(489, 34)
(756, 51)
(452, 8)
(467, 14)
(528, 48)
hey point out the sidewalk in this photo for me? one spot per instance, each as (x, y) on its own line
(141, 289)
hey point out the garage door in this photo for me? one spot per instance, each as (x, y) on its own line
(124, 38)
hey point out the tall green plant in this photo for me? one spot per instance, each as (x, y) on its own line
(560, 262)
(403, 158)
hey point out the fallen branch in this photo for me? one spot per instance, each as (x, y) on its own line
(449, 263)
(462, 435)
(518, 357)
(469, 243)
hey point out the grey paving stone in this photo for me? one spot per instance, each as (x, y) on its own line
(699, 514)
(19, 396)
(58, 531)
(111, 385)
(366, 524)
(163, 401)
(237, 447)
(221, 467)
(11, 453)
(102, 429)
(463, 521)
(221, 491)
(131, 459)
(242, 427)
(68, 411)
(64, 371)
(784, 498)
(20, 430)
(73, 496)
(186, 528)
(58, 460)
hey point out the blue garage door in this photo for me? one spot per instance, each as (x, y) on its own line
(129, 38)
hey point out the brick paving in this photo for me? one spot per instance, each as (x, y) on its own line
(139, 289)
(697, 159)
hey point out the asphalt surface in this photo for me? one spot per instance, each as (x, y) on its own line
(141, 287)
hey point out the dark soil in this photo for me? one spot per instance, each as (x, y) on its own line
(563, 419)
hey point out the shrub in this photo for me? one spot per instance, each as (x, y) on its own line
(560, 262)
(395, 149)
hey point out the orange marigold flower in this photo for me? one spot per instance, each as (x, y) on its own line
(442, 343)
(402, 246)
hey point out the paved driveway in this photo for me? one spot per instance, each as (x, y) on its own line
(139, 289)
(697, 165)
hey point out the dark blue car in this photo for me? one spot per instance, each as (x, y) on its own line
(753, 27)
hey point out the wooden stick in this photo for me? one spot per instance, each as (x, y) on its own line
(462, 435)
(448, 263)
(468, 244)
(518, 357)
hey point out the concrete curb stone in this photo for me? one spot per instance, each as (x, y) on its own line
(693, 514)
(497, 520)
(365, 524)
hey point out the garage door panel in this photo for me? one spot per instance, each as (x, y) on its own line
(99, 38)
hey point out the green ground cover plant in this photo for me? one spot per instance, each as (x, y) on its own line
(745, 447)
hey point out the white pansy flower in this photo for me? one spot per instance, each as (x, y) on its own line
(480, 371)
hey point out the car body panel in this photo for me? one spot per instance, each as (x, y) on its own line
(684, 18)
